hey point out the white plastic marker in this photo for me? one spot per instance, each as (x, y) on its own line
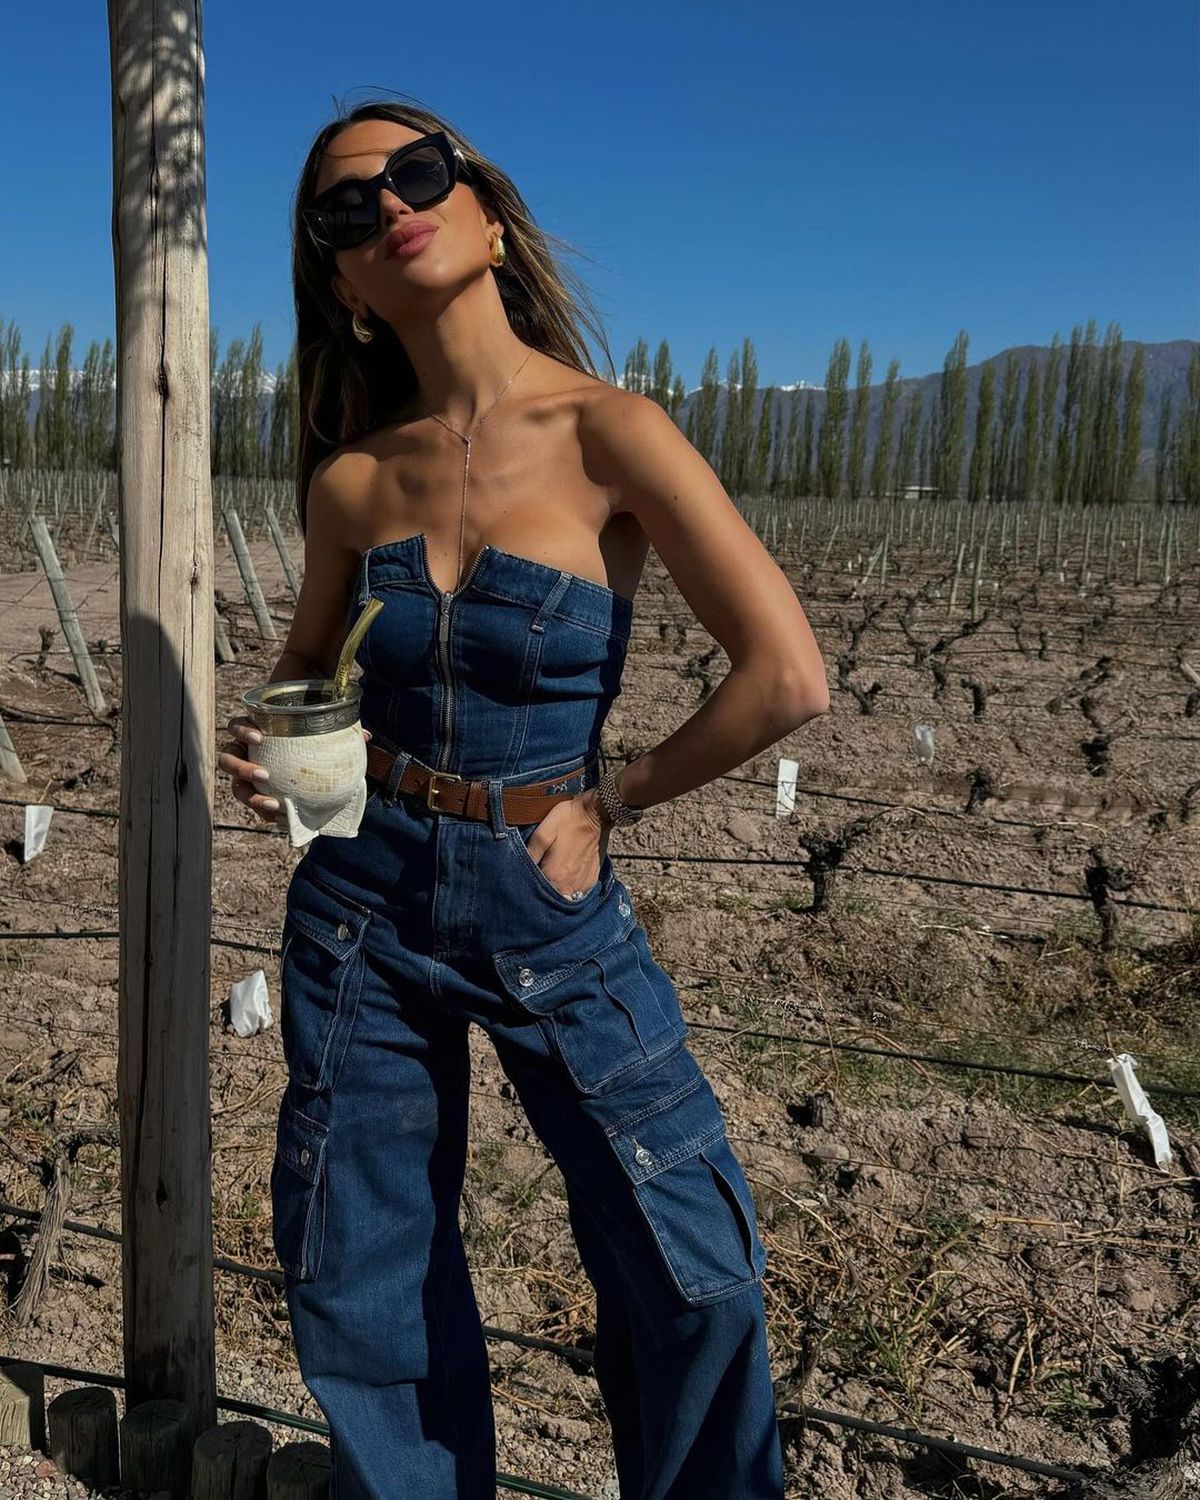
(250, 1004)
(37, 826)
(1138, 1107)
(785, 787)
(923, 737)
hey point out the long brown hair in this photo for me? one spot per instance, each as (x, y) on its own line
(348, 388)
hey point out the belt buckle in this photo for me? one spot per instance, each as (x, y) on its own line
(432, 788)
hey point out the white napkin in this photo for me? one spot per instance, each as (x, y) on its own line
(250, 1004)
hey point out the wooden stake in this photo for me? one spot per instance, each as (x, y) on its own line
(67, 617)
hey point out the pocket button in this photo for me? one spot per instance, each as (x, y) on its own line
(343, 931)
(623, 906)
(305, 1155)
(643, 1157)
(526, 976)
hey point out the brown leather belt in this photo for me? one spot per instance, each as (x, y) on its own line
(445, 792)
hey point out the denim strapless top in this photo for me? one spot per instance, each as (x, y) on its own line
(513, 670)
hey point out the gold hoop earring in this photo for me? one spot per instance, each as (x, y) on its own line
(362, 334)
(499, 253)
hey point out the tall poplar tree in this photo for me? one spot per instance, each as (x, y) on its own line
(805, 478)
(857, 457)
(784, 475)
(1162, 451)
(16, 395)
(41, 417)
(758, 472)
(1102, 463)
(910, 435)
(283, 434)
(881, 459)
(703, 410)
(249, 407)
(981, 469)
(62, 405)
(1027, 463)
(636, 376)
(926, 470)
(95, 446)
(831, 441)
(1069, 418)
(225, 439)
(731, 437)
(748, 396)
(660, 380)
(1189, 434)
(952, 419)
(1131, 423)
(1050, 384)
(1085, 413)
(1001, 481)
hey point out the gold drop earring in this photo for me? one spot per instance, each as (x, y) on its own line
(499, 253)
(362, 334)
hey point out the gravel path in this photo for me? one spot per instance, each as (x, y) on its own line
(25, 1474)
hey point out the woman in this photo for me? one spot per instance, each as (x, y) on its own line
(441, 361)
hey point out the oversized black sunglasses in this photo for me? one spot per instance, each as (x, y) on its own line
(421, 173)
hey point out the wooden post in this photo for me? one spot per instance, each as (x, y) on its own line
(83, 1434)
(299, 1471)
(289, 568)
(958, 565)
(10, 761)
(250, 583)
(156, 1447)
(67, 617)
(23, 1405)
(168, 734)
(224, 647)
(229, 1462)
(1087, 549)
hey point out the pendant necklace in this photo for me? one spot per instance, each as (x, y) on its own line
(467, 438)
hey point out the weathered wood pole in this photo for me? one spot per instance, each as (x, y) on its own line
(168, 760)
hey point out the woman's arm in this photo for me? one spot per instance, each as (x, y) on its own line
(730, 581)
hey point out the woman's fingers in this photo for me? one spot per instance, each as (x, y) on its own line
(249, 779)
(258, 802)
(244, 770)
(245, 729)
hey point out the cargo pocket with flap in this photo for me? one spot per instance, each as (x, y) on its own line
(606, 1007)
(298, 1192)
(320, 976)
(693, 1194)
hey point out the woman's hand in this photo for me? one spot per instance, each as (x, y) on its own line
(249, 778)
(570, 842)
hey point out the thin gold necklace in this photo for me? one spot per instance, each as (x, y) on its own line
(467, 438)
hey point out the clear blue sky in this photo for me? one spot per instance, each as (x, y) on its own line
(785, 171)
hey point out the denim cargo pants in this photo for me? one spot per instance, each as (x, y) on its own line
(394, 942)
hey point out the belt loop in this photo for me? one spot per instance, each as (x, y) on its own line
(391, 788)
(495, 793)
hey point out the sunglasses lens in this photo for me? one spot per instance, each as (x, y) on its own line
(350, 213)
(421, 178)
